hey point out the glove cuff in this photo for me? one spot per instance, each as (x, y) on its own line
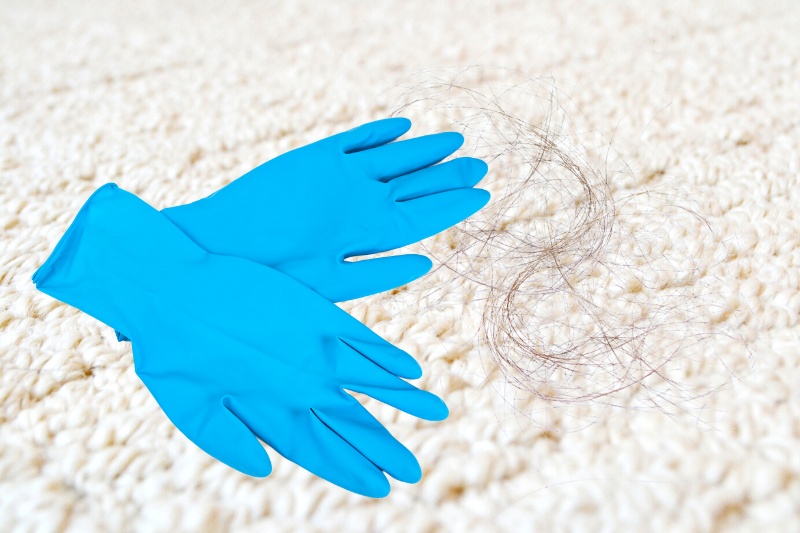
(63, 256)
(117, 255)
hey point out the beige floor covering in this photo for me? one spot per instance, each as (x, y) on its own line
(172, 100)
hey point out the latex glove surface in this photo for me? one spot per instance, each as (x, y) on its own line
(234, 351)
(355, 193)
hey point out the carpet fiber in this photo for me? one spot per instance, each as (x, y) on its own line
(171, 100)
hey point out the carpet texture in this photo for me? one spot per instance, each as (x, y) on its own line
(173, 100)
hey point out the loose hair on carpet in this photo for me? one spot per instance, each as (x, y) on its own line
(585, 285)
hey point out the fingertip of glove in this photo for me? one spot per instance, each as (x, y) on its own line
(453, 138)
(379, 489)
(422, 264)
(412, 473)
(394, 126)
(412, 369)
(466, 202)
(439, 412)
(483, 195)
(387, 356)
(402, 123)
(408, 267)
(259, 469)
(477, 199)
(478, 166)
(249, 458)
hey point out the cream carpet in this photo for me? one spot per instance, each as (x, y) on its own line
(173, 100)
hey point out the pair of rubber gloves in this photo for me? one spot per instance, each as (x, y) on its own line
(228, 301)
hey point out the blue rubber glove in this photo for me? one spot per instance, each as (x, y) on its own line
(233, 350)
(355, 193)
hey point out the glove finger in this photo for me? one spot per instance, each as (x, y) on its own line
(386, 355)
(373, 134)
(423, 217)
(216, 431)
(228, 439)
(355, 367)
(407, 398)
(399, 158)
(358, 427)
(360, 374)
(207, 421)
(429, 215)
(342, 464)
(355, 279)
(308, 442)
(460, 173)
